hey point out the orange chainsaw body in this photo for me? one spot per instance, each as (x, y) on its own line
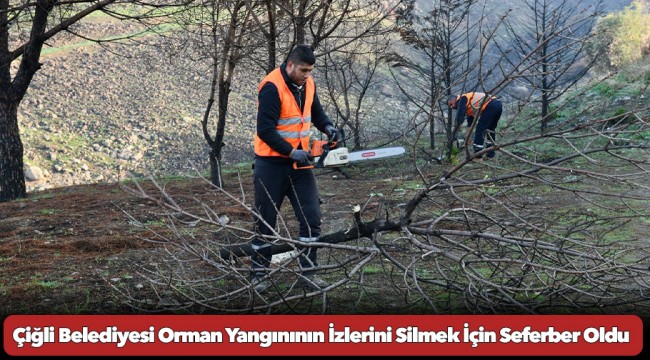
(317, 147)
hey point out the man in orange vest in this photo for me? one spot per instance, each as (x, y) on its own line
(287, 106)
(489, 110)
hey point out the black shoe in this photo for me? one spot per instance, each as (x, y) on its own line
(313, 281)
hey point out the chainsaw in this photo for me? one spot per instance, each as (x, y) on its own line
(327, 153)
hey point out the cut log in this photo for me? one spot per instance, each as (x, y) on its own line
(360, 230)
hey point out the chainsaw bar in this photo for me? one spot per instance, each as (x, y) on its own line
(372, 154)
(340, 156)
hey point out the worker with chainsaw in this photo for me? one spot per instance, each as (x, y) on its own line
(488, 108)
(287, 106)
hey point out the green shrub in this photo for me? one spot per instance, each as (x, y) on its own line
(624, 37)
(604, 89)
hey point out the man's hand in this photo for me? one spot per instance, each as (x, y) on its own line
(333, 134)
(301, 157)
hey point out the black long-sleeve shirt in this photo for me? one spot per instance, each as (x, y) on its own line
(461, 108)
(268, 113)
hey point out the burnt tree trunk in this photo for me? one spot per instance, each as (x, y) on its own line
(12, 91)
(217, 145)
(360, 230)
(12, 180)
(272, 35)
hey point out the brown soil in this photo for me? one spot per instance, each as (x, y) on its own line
(99, 249)
(65, 250)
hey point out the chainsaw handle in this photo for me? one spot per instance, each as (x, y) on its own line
(319, 149)
(295, 166)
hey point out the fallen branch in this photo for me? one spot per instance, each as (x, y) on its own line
(360, 230)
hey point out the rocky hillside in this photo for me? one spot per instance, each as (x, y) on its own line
(94, 112)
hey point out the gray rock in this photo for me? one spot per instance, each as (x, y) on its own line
(34, 173)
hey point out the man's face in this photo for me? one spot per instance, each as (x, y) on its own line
(452, 103)
(299, 72)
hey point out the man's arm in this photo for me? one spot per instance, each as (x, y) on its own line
(461, 110)
(268, 113)
(318, 116)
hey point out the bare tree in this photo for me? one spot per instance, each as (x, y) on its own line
(527, 233)
(25, 28)
(284, 24)
(550, 43)
(219, 31)
(347, 84)
(267, 26)
(541, 228)
(339, 23)
(441, 40)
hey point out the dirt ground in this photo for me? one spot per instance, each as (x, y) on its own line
(66, 250)
(100, 249)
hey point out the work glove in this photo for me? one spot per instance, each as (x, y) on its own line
(333, 134)
(301, 157)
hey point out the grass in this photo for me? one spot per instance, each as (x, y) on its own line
(82, 304)
(244, 167)
(159, 29)
(38, 196)
(372, 269)
(644, 135)
(75, 145)
(605, 89)
(376, 295)
(605, 224)
(47, 284)
(412, 184)
(152, 223)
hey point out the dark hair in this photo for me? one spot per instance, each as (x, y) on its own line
(302, 54)
(452, 98)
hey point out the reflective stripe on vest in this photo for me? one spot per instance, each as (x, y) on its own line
(474, 100)
(293, 125)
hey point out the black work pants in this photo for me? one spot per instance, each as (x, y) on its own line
(273, 182)
(487, 125)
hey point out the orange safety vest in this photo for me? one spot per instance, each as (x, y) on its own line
(293, 124)
(474, 100)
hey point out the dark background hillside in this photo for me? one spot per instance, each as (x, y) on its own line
(500, 7)
(95, 112)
